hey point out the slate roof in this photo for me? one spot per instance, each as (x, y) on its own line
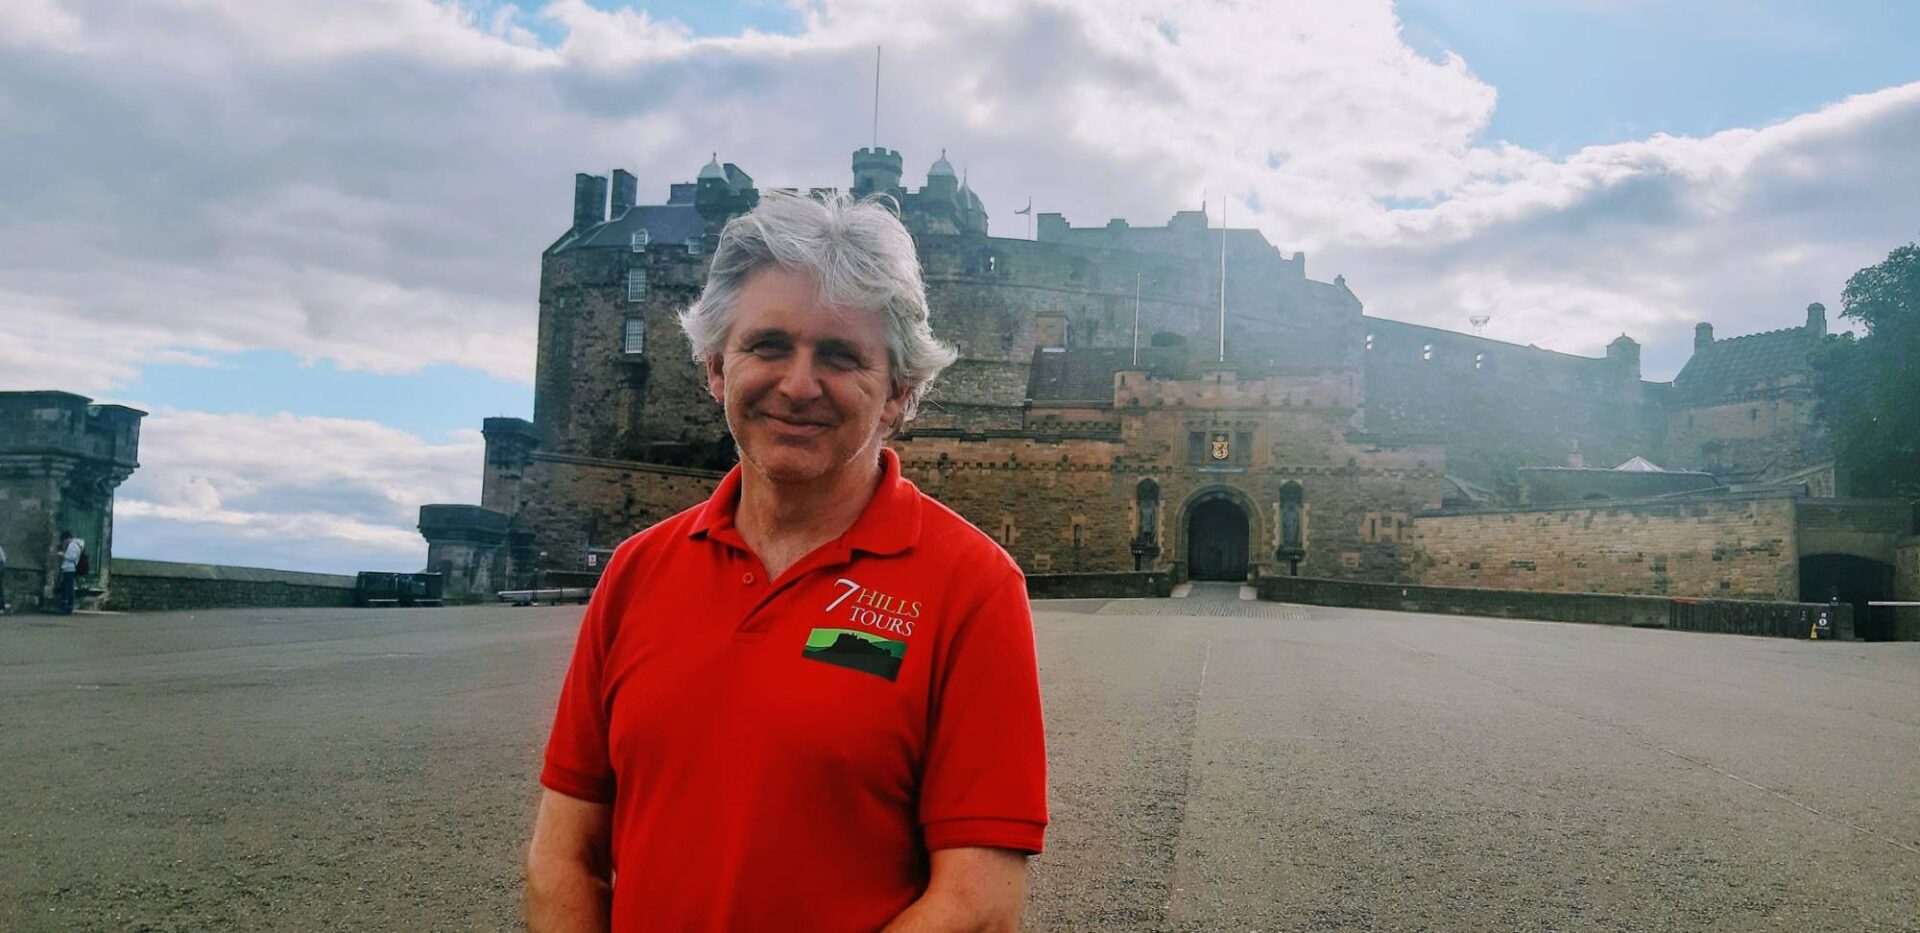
(667, 226)
(1738, 365)
(1087, 375)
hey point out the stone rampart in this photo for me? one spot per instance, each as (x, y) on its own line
(1774, 618)
(1098, 585)
(1726, 547)
(157, 585)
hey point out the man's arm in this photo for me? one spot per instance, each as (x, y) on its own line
(969, 891)
(570, 866)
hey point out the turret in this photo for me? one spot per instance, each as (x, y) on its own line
(1624, 352)
(1702, 336)
(876, 169)
(1817, 319)
(941, 182)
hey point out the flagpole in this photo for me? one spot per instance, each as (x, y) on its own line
(1136, 319)
(1223, 279)
(876, 97)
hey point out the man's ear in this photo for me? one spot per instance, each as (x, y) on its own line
(716, 380)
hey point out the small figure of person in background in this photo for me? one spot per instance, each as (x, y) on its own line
(4, 608)
(69, 553)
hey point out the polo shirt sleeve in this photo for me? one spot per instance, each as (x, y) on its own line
(985, 779)
(577, 761)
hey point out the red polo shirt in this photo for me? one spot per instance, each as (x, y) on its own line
(783, 754)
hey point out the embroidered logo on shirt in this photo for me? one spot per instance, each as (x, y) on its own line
(876, 610)
(860, 651)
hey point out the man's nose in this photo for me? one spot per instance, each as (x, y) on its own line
(800, 380)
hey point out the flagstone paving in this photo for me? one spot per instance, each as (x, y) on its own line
(1217, 764)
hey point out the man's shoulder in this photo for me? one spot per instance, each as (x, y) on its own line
(948, 535)
(663, 533)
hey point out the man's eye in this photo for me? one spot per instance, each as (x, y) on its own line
(841, 360)
(767, 348)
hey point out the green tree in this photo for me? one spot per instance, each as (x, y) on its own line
(1869, 386)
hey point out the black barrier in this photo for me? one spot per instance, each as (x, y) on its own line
(1779, 620)
(376, 589)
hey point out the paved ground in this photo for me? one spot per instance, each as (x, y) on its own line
(1217, 765)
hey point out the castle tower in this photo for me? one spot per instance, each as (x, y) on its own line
(1624, 352)
(876, 169)
(941, 182)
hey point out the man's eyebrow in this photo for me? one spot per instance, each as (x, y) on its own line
(838, 345)
(763, 333)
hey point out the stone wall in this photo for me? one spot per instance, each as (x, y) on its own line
(1098, 585)
(591, 397)
(1069, 502)
(1870, 528)
(1775, 618)
(1496, 406)
(1730, 547)
(579, 508)
(1906, 570)
(156, 585)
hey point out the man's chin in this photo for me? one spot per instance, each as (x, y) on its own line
(785, 463)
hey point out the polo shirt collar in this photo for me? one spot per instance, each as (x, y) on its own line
(890, 523)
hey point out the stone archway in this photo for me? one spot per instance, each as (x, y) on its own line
(1853, 579)
(1217, 528)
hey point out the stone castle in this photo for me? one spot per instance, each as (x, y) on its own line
(1187, 399)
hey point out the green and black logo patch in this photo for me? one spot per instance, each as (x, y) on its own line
(858, 650)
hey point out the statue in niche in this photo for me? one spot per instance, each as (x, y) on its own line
(1143, 546)
(1292, 536)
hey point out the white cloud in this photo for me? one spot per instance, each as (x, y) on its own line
(374, 185)
(372, 181)
(287, 490)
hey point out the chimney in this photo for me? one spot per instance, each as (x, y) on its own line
(1702, 335)
(1817, 319)
(589, 200)
(625, 192)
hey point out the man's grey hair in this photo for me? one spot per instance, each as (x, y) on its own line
(862, 259)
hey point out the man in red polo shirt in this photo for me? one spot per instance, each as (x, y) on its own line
(810, 703)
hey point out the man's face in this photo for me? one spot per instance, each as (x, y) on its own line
(807, 389)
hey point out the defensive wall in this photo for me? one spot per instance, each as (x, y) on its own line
(158, 585)
(1784, 619)
(1497, 406)
(1738, 546)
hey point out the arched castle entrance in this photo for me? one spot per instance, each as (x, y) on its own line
(1218, 534)
(1851, 578)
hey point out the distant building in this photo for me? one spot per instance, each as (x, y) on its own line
(1104, 413)
(61, 458)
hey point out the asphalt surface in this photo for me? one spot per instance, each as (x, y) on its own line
(1217, 764)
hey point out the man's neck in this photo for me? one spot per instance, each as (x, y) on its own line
(783, 522)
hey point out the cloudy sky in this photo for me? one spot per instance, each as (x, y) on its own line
(305, 236)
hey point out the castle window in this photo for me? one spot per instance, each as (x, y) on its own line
(1479, 360)
(1426, 351)
(1753, 414)
(993, 264)
(633, 339)
(1369, 341)
(693, 246)
(636, 285)
(640, 240)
